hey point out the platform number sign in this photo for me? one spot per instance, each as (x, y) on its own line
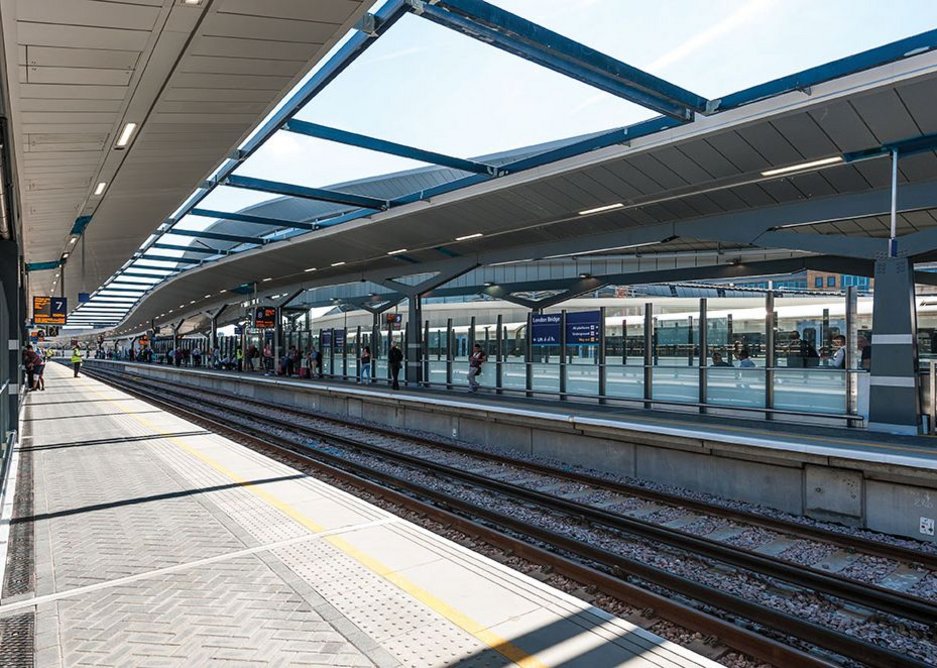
(49, 310)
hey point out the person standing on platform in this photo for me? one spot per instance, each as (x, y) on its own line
(39, 365)
(476, 360)
(364, 370)
(29, 359)
(76, 360)
(394, 360)
(838, 360)
(239, 358)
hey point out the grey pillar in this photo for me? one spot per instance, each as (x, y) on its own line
(563, 357)
(277, 335)
(450, 352)
(894, 403)
(11, 335)
(214, 332)
(529, 357)
(771, 328)
(414, 350)
(703, 353)
(425, 353)
(499, 355)
(648, 353)
(852, 342)
(603, 376)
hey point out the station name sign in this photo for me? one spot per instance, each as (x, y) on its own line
(49, 310)
(582, 328)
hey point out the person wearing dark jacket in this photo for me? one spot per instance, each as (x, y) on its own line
(394, 360)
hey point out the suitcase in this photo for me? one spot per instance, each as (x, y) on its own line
(303, 372)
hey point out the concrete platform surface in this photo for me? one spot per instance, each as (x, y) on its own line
(141, 539)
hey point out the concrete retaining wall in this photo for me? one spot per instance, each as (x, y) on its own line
(877, 495)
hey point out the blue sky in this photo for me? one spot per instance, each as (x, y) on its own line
(424, 85)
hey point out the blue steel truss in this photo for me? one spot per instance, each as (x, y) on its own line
(511, 33)
(258, 220)
(321, 194)
(533, 42)
(389, 147)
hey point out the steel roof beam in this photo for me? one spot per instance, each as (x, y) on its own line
(610, 138)
(383, 146)
(516, 35)
(357, 44)
(167, 258)
(143, 274)
(190, 249)
(803, 81)
(249, 218)
(217, 236)
(319, 194)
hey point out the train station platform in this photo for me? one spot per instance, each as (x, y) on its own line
(141, 539)
(879, 481)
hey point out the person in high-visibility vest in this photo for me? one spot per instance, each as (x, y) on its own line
(76, 360)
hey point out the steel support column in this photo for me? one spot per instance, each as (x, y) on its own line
(852, 343)
(894, 403)
(648, 354)
(703, 354)
(603, 376)
(414, 352)
(11, 337)
(771, 329)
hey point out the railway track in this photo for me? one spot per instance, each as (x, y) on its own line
(609, 570)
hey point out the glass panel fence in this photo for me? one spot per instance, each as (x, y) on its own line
(676, 383)
(741, 387)
(514, 374)
(582, 376)
(810, 390)
(625, 381)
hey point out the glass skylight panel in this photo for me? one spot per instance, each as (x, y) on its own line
(308, 161)
(721, 47)
(426, 86)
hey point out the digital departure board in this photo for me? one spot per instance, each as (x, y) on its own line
(49, 310)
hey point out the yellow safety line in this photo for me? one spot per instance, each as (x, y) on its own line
(460, 619)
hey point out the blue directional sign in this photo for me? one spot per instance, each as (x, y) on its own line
(84, 297)
(325, 338)
(339, 338)
(545, 330)
(583, 328)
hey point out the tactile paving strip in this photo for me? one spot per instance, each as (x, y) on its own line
(415, 635)
(263, 522)
(16, 641)
(20, 574)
